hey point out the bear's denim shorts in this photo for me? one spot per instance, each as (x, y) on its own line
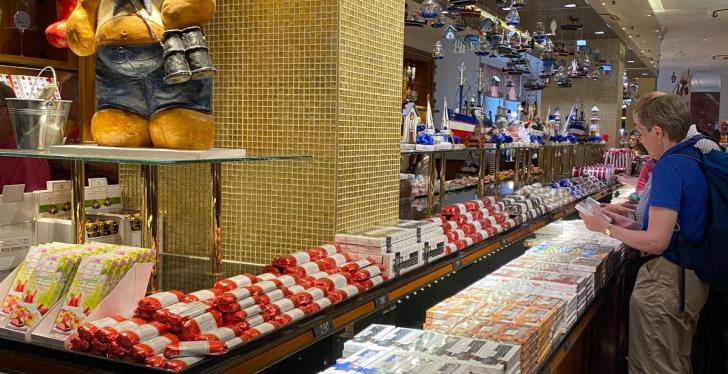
(130, 77)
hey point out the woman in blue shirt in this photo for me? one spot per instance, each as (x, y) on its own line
(660, 336)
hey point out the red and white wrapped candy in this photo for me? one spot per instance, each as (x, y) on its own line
(237, 281)
(258, 331)
(293, 259)
(450, 248)
(312, 277)
(467, 217)
(109, 334)
(488, 200)
(161, 299)
(499, 217)
(207, 322)
(156, 361)
(353, 266)
(456, 235)
(148, 348)
(181, 363)
(298, 313)
(141, 333)
(302, 270)
(449, 226)
(454, 210)
(340, 294)
(222, 334)
(307, 296)
(283, 305)
(367, 272)
(198, 348)
(282, 281)
(203, 295)
(324, 250)
(76, 343)
(98, 347)
(333, 261)
(232, 296)
(193, 310)
(118, 350)
(87, 330)
(144, 313)
(334, 281)
(476, 237)
(239, 315)
(372, 282)
(272, 269)
(440, 220)
(265, 298)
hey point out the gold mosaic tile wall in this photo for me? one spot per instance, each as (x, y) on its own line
(370, 71)
(605, 93)
(313, 77)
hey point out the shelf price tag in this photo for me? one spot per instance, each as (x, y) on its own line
(323, 329)
(458, 263)
(381, 300)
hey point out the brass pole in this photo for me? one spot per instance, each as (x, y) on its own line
(498, 151)
(481, 172)
(431, 185)
(443, 186)
(150, 212)
(78, 213)
(216, 223)
(516, 166)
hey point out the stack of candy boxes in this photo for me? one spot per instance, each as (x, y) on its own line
(174, 330)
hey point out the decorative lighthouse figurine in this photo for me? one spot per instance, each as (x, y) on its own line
(410, 120)
(594, 121)
(443, 139)
(426, 140)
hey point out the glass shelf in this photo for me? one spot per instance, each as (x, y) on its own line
(415, 152)
(146, 156)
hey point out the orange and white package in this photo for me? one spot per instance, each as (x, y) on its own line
(259, 330)
(282, 281)
(198, 348)
(237, 281)
(181, 363)
(265, 298)
(340, 294)
(477, 237)
(203, 295)
(303, 270)
(313, 277)
(450, 248)
(148, 348)
(156, 361)
(118, 350)
(293, 259)
(201, 324)
(76, 343)
(239, 315)
(109, 334)
(372, 282)
(161, 314)
(222, 334)
(161, 299)
(367, 272)
(300, 312)
(333, 261)
(324, 250)
(141, 333)
(232, 296)
(283, 305)
(334, 281)
(353, 266)
(87, 330)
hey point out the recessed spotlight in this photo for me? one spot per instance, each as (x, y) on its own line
(624, 28)
(658, 30)
(570, 5)
(598, 32)
(445, 12)
(645, 74)
(630, 61)
(630, 36)
(649, 14)
(643, 51)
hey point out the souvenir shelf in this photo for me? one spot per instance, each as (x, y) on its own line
(149, 160)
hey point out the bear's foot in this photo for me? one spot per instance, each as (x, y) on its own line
(181, 128)
(118, 128)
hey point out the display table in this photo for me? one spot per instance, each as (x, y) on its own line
(290, 340)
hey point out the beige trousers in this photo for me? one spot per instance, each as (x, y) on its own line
(660, 336)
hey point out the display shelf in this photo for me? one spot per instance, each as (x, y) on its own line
(286, 341)
(145, 156)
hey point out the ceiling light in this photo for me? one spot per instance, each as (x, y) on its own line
(604, 3)
(643, 51)
(598, 32)
(570, 5)
(630, 36)
(630, 61)
(644, 74)
(657, 30)
(656, 6)
(649, 15)
(624, 28)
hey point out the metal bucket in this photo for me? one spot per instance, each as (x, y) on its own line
(38, 124)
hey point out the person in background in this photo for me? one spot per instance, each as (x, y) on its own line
(33, 172)
(660, 334)
(724, 131)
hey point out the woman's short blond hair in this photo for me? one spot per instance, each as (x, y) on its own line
(671, 113)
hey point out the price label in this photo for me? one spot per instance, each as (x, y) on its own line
(381, 300)
(323, 329)
(458, 263)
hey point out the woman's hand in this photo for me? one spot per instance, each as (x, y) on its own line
(621, 221)
(597, 222)
(618, 209)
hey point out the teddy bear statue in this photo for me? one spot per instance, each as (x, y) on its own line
(153, 71)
